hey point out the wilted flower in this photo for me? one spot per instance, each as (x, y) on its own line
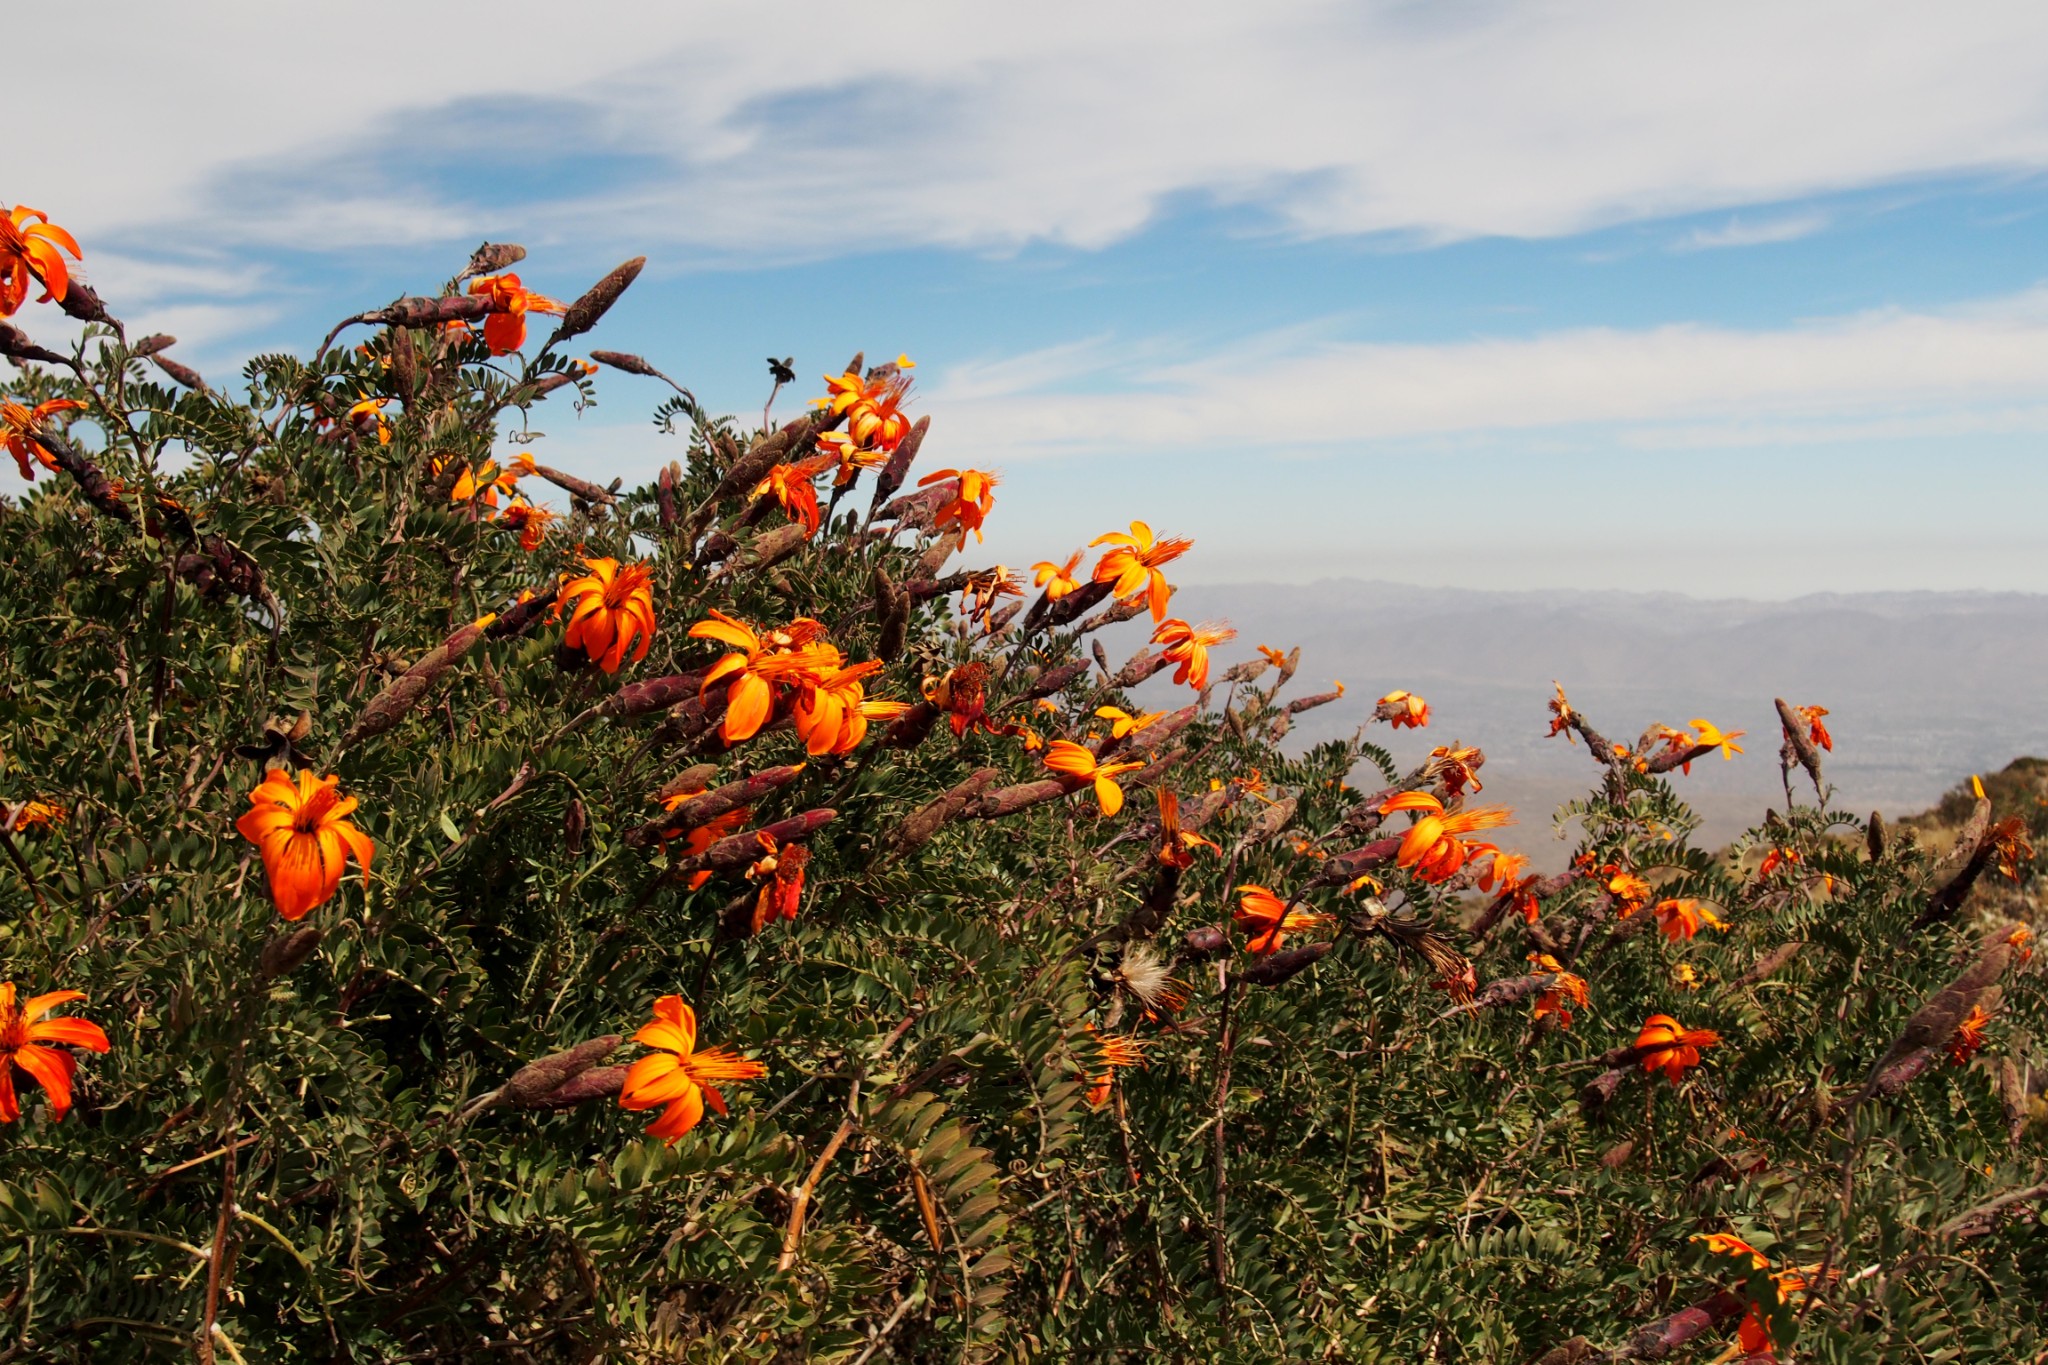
(1456, 766)
(1816, 731)
(1267, 919)
(678, 1074)
(970, 503)
(610, 608)
(1176, 845)
(25, 1042)
(2014, 850)
(1131, 568)
(302, 830)
(1506, 877)
(984, 589)
(21, 428)
(1666, 1045)
(505, 328)
(1072, 760)
(33, 252)
(1433, 848)
(34, 814)
(780, 870)
(1685, 977)
(1403, 710)
(1561, 714)
(529, 520)
(1189, 646)
(1057, 579)
(1777, 858)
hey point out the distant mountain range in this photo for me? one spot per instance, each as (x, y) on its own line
(1922, 687)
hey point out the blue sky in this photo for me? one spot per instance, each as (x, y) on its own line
(1728, 302)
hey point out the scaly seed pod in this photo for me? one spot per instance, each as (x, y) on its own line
(665, 494)
(703, 809)
(1139, 667)
(492, 257)
(1288, 962)
(1023, 796)
(424, 312)
(91, 480)
(536, 1081)
(598, 1083)
(1056, 680)
(1874, 836)
(740, 849)
(287, 952)
(581, 488)
(767, 549)
(695, 778)
(1121, 611)
(517, 617)
(1205, 944)
(1301, 704)
(1271, 821)
(623, 360)
(390, 706)
(184, 374)
(15, 345)
(597, 301)
(653, 694)
(150, 345)
(1342, 867)
(918, 829)
(81, 302)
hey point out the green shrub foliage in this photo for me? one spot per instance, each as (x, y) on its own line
(330, 1140)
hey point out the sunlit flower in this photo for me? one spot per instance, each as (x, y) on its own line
(1456, 766)
(677, 1073)
(983, 590)
(1728, 1244)
(38, 814)
(530, 521)
(795, 491)
(505, 327)
(764, 661)
(780, 870)
(1403, 710)
(1666, 1045)
(1131, 567)
(484, 481)
(850, 456)
(970, 502)
(1267, 919)
(1275, 657)
(703, 836)
(1685, 977)
(1507, 878)
(1071, 760)
(1561, 714)
(1564, 991)
(26, 1041)
(872, 407)
(1433, 848)
(1118, 1053)
(1189, 646)
(32, 252)
(609, 609)
(2022, 940)
(830, 715)
(1777, 858)
(300, 826)
(1176, 845)
(373, 408)
(1962, 1044)
(21, 429)
(1711, 736)
(1057, 579)
(1631, 893)
(1122, 722)
(1682, 918)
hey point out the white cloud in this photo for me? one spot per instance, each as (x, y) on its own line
(1889, 374)
(923, 122)
(1737, 233)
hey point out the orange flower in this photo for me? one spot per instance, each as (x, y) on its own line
(1968, 1036)
(1728, 1244)
(610, 608)
(1684, 977)
(872, 407)
(1189, 647)
(1777, 858)
(792, 487)
(530, 521)
(1682, 918)
(1176, 845)
(2021, 938)
(1069, 759)
(780, 870)
(984, 589)
(1403, 710)
(24, 1042)
(49, 815)
(1432, 848)
(1631, 892)
(832, 714)
(1057, 579)
(33, 252)
(1561, 713)
(1457, 767)
(2009, 840)
(1275, 657)
(21, 428)
(1711, 737)
(849, 455)
(373, 408)
(1267, 919)
(505, 328)
(1564, 991)
(1118, 1053)
(1131, 567)
(1122, 722)
(705, 835)
(1506, 878)
(302, 830)
(677, 1073)
(971, 501)
(1816, 731)
(484, 480)
(766, 660)
(1666, 1045)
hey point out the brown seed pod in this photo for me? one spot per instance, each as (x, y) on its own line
(898, 468)
(918, 829)
(1139, 667)
(390, 706)
(535, 1082)
(623, 360)
(492, 257)
(81, 302)
(15, 345)
(1205, 944)
(653, 694)
(665, 494)
(704, 808)
(287, 952)
(597, 301)
(740, 849)
(150, 345)
(516, 618)
(1288, 962)
(425, 312)
(184, 374)
(598, 1083)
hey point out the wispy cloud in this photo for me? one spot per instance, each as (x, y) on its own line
(1737, 232)
(1890, 373)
